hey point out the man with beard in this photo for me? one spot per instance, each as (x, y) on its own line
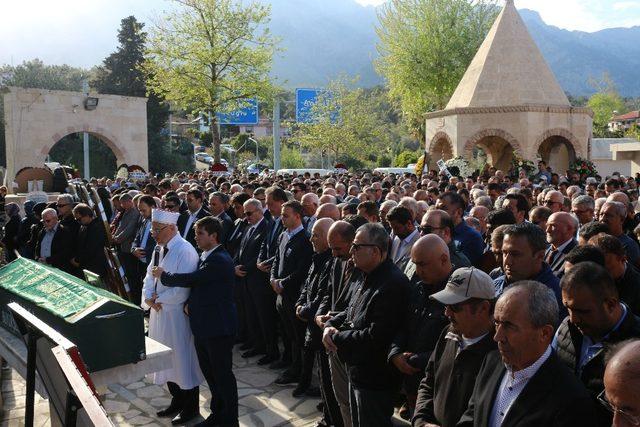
(454, 364)
(168, 322)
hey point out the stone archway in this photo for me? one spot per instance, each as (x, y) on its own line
(440, 147)
(36, 119)
(558, 148)
(103, 161)
(498, 145)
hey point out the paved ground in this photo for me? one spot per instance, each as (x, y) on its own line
(261, 403)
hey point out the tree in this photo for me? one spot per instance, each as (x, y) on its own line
(210, 55)
(426, 46)
(406, 158)
(605, 103)
(345, 124)
(120, 74)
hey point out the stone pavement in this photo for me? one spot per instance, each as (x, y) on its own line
(261, 403)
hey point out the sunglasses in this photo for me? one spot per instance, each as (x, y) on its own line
(248, 213)
(428, 229)
(356, 246)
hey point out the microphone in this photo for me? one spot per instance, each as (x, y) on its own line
(156, 261)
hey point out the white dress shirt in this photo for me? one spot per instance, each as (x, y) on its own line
(190, 221)
(510, 388)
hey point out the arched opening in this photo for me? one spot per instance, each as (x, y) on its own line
(69, 151)
(440, 149)
(495, 151)
(557, 152)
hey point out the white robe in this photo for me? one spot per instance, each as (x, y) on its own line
(170, 325)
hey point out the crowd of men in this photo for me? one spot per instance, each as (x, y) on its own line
(486, 300)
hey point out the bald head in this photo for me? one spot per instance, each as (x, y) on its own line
(618, 196)
(622, 379)
(328, 210)
(340, 237)
(561, 227)
(430, 254)
(327, 198)
(319, 234)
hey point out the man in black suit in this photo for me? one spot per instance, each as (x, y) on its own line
(561, 235)
(275, 197)
(259, 299)
(597, 321)
(363, 332)
(217, 203)
(235, 238)
(310, 298)
(288, 273)
(525, 384)
(213, 319)
(54, 246)
(92, 239)
(195, 212)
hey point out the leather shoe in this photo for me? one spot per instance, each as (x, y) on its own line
(265, 360)
(209, 422)
(313, 391)
(300, 390)
(286, 379)
(169, 412)
(184, 417)
(279, 364)
(250, 353)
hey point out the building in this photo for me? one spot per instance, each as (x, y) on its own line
(603, 157)
(625, 121)
(509, 102)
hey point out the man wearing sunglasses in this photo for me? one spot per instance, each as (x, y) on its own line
(439, 223)
(454, 364)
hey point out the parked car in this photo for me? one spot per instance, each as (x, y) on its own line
(200, 149)
(204, 158)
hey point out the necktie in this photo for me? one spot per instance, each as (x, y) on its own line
(551, 257)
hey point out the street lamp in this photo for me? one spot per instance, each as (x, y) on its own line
(255, 142)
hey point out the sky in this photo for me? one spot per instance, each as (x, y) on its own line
(82, 33)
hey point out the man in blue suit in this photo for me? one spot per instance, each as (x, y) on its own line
(213, 318)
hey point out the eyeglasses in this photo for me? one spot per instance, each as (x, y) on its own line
(158, 230)
(631, 419)
(356, 246)
(170, 206)
(428, 229)
(456, 308)
(550, 202)
(248, 213)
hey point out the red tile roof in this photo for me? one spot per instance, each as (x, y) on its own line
(629, 116)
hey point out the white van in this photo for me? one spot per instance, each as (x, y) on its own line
(300, 172)
(397, 171)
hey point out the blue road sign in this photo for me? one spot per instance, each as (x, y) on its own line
(248, 115)
(306, 99)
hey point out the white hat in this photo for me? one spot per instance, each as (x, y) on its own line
(164, 217)
(466, 283)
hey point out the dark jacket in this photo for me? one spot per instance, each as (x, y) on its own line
(227, 227)
(445, 390)
(235, 238)
(24, 235)
(61, 249)
(546, 277)
(72, 226)
(150, 244)
(311, 295)
(212, 309)
(191, 234)
(92, 239)
(419, 334)
(270, 244)
(629, 288)
(557, 263)
(375, 313)
(553, 397)
(295, 264)
(10, 237)
(337, 294)
(569, 343)
(247, 256)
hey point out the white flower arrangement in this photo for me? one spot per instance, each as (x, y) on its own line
(462, 164)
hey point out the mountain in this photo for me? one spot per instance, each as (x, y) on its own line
(325, 38)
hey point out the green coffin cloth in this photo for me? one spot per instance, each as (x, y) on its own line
(61, 294)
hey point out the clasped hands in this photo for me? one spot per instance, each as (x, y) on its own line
(151, 302)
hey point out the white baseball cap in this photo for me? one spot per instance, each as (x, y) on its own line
(466, 283)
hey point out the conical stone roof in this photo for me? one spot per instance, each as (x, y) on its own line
(508, 70)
